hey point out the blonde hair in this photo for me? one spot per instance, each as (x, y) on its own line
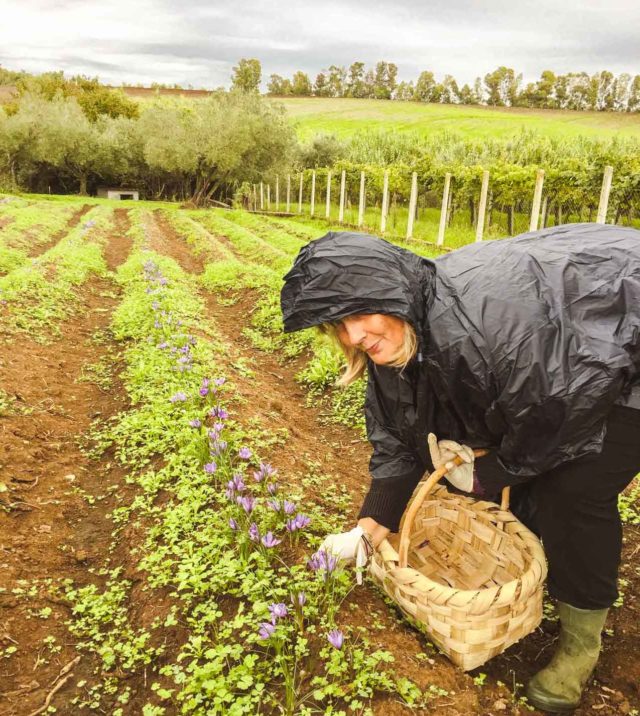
(357, 358)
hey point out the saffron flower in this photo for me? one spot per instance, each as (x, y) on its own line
(289, 507)
(254, 532)
(179, 397)
(278, 611)
(233, 524)
(299, 599)
(323, 561)
(272, 488)
(220, 381)
(265, 471)
(336, 638)
(270, 541)
(210, 467)
(298, 522)
(266, 630)
(163, 345)
(237, 482)
(244, 453)
(247, 503)
(195, 423)
(274, 505)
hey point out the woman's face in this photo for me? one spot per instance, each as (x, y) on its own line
(378, 335)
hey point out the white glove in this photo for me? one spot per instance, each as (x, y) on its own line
(443, 452)
(352, 546)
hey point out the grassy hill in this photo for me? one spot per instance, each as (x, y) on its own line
(347, 116)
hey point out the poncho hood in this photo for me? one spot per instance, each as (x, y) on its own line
(343, 273)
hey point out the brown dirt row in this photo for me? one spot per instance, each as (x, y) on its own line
(278, 400)
(55, 525)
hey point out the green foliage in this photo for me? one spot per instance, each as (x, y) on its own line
(629, 504)
(247, 75)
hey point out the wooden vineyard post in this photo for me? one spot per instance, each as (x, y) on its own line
(361, 203)
(444, 209)
(277, 193)
(537, 197)
(268, 197)
(261, 196)
(385, 202)
(543, 212)
(413, 200)
(327, 213)
(343, 181)
(300, 194)
(482, 206)
(255, 197)
(288, 193)
(313, 193)
(604, 195)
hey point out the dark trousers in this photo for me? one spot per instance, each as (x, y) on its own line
(574, 510)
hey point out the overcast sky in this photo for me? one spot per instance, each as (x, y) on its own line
(198, 42)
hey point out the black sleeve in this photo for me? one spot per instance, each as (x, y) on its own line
(395, 467)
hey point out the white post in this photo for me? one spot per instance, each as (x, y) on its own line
(604, 195)
(327, 213)
(300, 194)
(413, 200)
(343, 181)
(277, 193)
(444, 209)
(255, 197)
(385, 201)
(482, 206)
(288, 193)
(543, 213)
(537, 196)
(361, 204)
(313, 192)
(261, 196)
(268, 197)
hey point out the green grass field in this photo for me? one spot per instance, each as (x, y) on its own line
(344, 117)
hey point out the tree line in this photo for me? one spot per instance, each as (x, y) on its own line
(601, 91)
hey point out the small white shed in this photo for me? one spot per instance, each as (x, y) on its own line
(119, 193)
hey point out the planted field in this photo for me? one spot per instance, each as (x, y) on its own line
(170, 462)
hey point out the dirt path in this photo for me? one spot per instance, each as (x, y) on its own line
(39, 249)
(56, 525)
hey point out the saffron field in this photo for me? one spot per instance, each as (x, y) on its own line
(169, 464)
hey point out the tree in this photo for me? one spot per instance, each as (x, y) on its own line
(466, 95)
(278, 86)
(620, 92)
(424, 87)
(404, 91)
(323, 151)
(247, 75)
(321, 87)
(301, 84)
(502, 85)
(356, 85)
(449, 93)
(337, 79)
(384, 81)
(633, 102)
(605, 91)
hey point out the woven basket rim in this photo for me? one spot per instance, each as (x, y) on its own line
(533, 544)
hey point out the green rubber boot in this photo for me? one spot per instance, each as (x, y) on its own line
(558, 687)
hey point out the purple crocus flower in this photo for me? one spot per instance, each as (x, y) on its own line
(278, 611)
(335, 638)
(220, 381)
(266, 630)
(163, 345)
(274, 505)
(272, 488)
(289, 507)
(218, 446)
(195, 423)
(254, 532)
(265, 471)
(244, 453)
(233, 524)
(210, 467)
(179, 397)
(247, 503)
(237, 482)
(299, 599)
(321, 560)
(219, 413)
(301, 521)
(270, 541)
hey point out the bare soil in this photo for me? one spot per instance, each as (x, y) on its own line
(51, 531)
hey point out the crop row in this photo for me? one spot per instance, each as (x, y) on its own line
(42, 291)
(256, 616)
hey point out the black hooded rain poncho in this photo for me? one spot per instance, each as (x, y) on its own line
(525, 344)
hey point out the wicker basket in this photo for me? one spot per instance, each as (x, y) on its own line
(468, 573)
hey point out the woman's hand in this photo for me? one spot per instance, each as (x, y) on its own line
(355, 546)
(443, 452)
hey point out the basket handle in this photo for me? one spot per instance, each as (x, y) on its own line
(427, 486)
